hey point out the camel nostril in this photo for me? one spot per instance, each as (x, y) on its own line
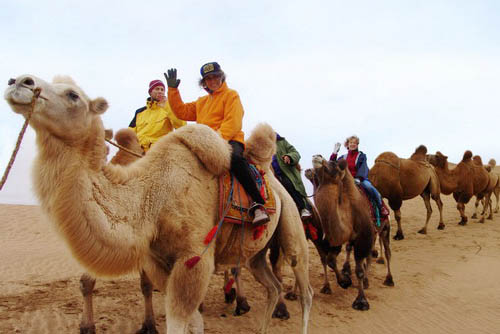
(28, 82)
(12, 81)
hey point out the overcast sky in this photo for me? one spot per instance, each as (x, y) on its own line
(396, 73)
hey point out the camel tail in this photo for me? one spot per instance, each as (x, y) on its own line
(261, 145)
(213, 151)
(467, 156)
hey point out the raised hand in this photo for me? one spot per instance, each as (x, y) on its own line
(336, 149)
(171, 77)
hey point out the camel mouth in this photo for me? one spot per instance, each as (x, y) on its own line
(18, 97)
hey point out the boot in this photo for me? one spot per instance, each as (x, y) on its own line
(260, 216)
(305, 214)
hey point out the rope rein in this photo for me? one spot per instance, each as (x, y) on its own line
(123, 148)
(36, 94)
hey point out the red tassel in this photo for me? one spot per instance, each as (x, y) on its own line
(228, 286)
(258, 231)
(313, 231)
(210, 235)
(192, 261)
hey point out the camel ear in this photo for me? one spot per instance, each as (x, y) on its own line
(99, 105)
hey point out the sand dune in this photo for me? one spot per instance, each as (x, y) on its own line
(446, 282)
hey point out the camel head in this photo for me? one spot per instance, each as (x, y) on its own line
(467, 156)
(62, 109)
(438, 160)
(328, 171)
(492, 163)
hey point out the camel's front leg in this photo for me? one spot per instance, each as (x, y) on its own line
(149, 324)
(87, 325)
(360, 303)
(242, 306)
(461, 210)
(476, 209)
(427, 200)
(182, 303)
(344, 281)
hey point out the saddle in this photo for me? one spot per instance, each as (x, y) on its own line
(375, 215)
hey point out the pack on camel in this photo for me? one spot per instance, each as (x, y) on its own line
(346, 219)
(399, 179)
(464, 181)
(493, 183)
(154, 214)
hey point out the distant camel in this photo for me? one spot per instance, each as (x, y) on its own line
(493, 184)
(399, 179)
(464, 181)
(492, 163)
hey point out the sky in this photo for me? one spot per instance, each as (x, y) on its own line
(395, 73)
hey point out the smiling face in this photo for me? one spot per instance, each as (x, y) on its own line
(62, 109)
(213, 81)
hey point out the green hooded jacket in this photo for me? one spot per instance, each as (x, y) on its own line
(283, 147)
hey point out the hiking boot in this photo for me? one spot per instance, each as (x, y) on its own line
(305, 214)
(384, 212)
(260, 216)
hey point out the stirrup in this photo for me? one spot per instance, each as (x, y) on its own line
(260, 214)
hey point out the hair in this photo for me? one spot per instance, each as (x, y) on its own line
(346, 143)
(201, 82)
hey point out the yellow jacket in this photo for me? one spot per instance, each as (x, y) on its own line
(220, 110)
(152, 122)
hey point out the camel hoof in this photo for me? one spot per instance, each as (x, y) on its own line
(380, 260)
(291, 296)
(441, 226)
(326, 289)
(490, 217)
(388, 281)
(361, 304)
(423, 231)
(374, 253)
(147, 329)
(399, 236)
(242, 306)
(474, 216)
(230, 297)
(481, 221)
(345, 282)
(366, 284)
(462, 223)
(87, 330)
(281, 312)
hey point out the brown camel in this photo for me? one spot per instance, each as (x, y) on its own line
(345, 218)
(154, 214)
(464, 181)
(493, 183)
(399, 179)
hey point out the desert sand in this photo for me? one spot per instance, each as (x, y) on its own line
(445, 282)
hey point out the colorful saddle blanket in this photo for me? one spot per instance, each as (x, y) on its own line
(375, 214)
(234, 203)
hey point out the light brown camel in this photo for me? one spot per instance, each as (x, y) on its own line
(492, 163)
(464, 181)
(345, 218)
(493, 183)
(153, 215)
(399, 179)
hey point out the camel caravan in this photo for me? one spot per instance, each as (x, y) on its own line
(163, 215)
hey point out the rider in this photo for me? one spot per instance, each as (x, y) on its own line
(286, 168)
(356, 162)
(156, 119)
(221, 110)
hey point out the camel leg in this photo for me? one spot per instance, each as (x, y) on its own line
(242, 306)
(399, 234)
(301, 271)
(181, 305)
(497, 196)
(439, 203)
(346, 267)
(344, 281)
(427, 200)
(360, 303)
(385, 238)
(229, 292)
(490, 204)
(380, 258)
(476, 207)
(461, 210)
(149, 324)
(87, 325)
(322, 248)
(264, 275)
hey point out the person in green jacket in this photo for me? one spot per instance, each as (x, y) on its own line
(285, 163)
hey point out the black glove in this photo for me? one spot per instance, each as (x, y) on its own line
(171, 77)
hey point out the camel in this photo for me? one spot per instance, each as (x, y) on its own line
(345, 218)
(154, 214)
(464, 181)
(491, 165)
(493, 184)
(399, 179)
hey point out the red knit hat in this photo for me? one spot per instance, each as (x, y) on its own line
(155, 83)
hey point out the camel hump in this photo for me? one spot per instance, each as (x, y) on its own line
(477, 159)
(419, 153)
(492, 163)
(126, 137)
(261, 145)
(467, 156)
(388, 157)
(206, 144)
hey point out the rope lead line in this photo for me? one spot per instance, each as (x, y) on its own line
(36, 94)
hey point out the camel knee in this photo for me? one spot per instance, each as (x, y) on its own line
(360, 273)
(87, 284)
(146, 286)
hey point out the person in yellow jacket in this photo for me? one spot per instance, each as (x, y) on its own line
(221, 110)
(156, 119)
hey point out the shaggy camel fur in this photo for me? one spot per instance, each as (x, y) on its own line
(493, 183)
(399, 179)
(154, 214)
(345, 218)
(464, 181)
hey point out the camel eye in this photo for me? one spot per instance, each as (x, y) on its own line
(72, 95)
(29, 82)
